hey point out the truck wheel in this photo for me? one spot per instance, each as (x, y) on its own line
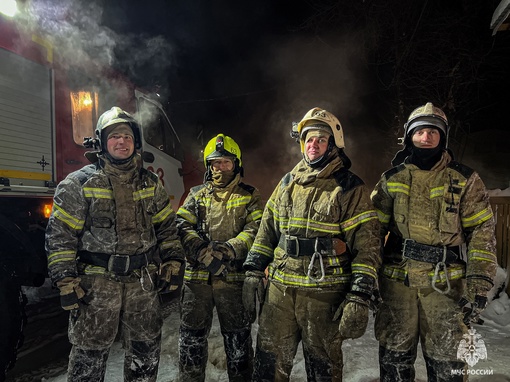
(12, 321)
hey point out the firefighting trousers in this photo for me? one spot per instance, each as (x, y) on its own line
(197, 304)
(409, 316)
(93, 328)
(290, 315)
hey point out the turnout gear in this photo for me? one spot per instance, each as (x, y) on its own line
(217, 223)
(72, 294)
(310, 214)
(253, 289)
(109, 220)
(441, 236)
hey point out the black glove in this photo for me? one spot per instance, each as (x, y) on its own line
(474, 300)
(169, 276)
(353, 312)
(253, 288)
(72, 295)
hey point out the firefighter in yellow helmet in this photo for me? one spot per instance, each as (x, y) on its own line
(319, 239)
(112, 245)
(218, 223)
(439, 259)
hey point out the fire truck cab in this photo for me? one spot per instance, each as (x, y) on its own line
(47, 108)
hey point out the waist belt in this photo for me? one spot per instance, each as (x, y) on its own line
(429, 253)
(299, 246)
(121, 265)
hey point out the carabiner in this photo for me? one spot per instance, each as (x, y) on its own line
(441, 264)
(144, 275)
(312, 261)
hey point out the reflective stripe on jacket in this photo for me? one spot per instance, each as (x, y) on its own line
(228, 214)
(91, 213)
(446, 206)
(327, 203)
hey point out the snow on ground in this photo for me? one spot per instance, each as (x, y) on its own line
(360, 355)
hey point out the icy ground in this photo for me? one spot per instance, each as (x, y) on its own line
(360, 355)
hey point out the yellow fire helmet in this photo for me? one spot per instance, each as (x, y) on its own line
(222, 146)
(426, 115)
(319, 119)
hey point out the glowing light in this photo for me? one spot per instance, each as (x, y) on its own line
(47, 210)
(8, 7)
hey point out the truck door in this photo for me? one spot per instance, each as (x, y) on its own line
(161, 147)
(26, 125)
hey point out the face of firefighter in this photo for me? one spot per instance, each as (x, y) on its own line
(426, 138)
(222, 164)
(120, 142)
(316, 144)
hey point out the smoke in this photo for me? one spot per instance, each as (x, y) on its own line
(295, 75)
(80, 39)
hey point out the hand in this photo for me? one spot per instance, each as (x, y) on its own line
(226, 249)
(212, 259)
(253, 288)
(474, 300)
(169, 276)
(72, 295)
(353, 314)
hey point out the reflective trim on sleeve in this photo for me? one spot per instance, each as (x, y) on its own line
(262, 249)
(481, 255)
(254, 215)
(163, 214)
(247, 239)
(476, 219)
(364, 269)
(186, 215)
(68, 219)
(349, 224)
(57, 257)
(383, 218)
(190, 236)
(394, 187)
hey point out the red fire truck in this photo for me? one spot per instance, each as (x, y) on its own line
(47, 108)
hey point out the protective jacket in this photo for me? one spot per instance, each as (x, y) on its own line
(228, 214)
(319, 204)
(445, 207)
(101, 209)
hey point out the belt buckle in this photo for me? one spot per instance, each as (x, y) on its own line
(121, 262)
(404, 244)
(296, 239)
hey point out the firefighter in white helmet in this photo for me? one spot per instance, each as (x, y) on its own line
(439, 259)
(217, 222)
(319, 239)
(112, 245)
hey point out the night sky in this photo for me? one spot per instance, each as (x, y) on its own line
(250, 69)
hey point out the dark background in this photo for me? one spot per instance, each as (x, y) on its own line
(248, 69)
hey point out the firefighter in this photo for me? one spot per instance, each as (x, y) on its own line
(319, 238)
(217, 223)
(439, 259)
(112, 245)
